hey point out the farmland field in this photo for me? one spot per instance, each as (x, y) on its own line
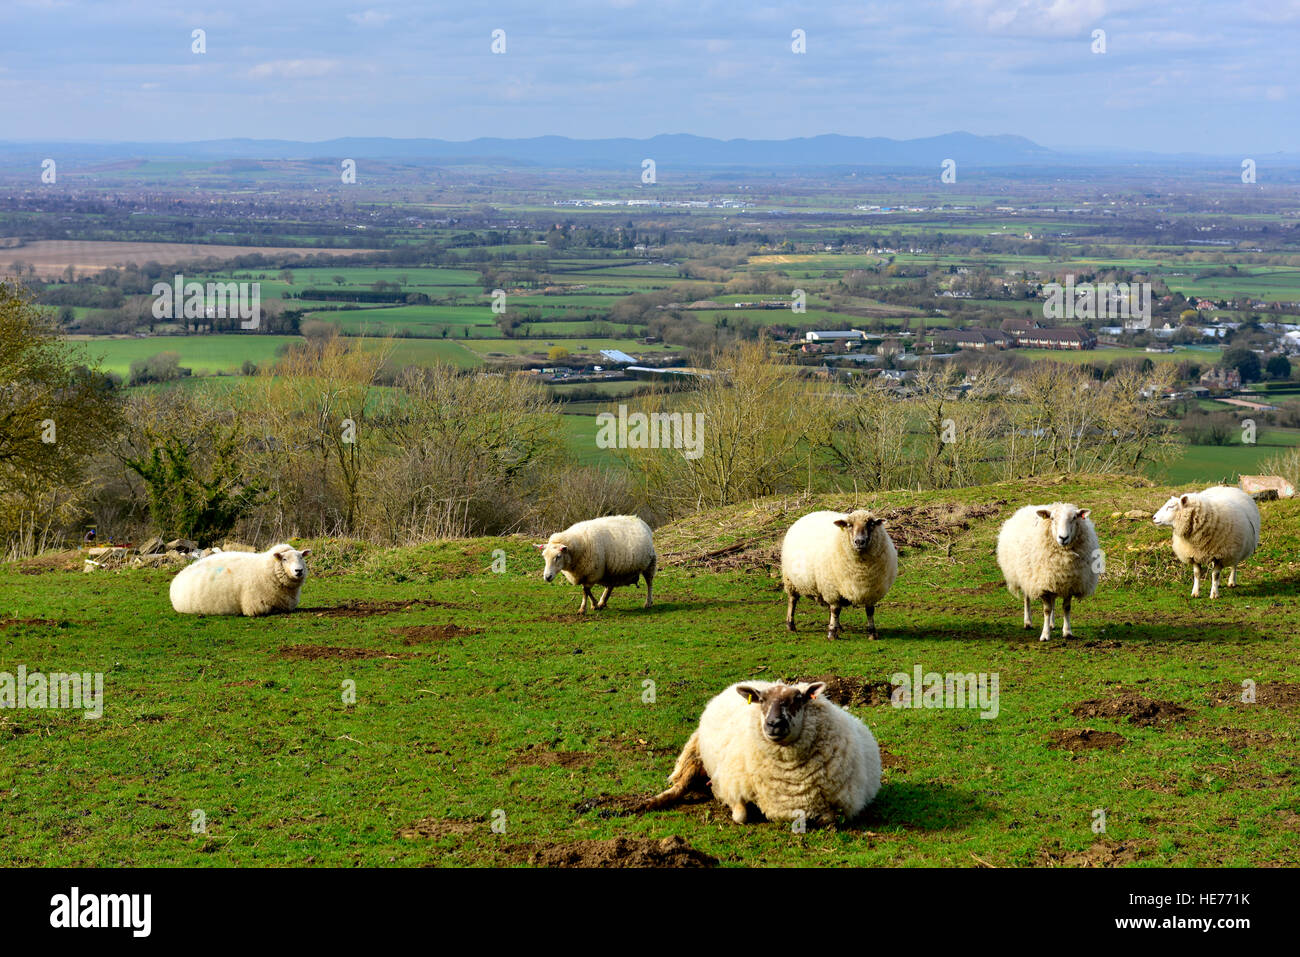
(481, 695)
(52, 256)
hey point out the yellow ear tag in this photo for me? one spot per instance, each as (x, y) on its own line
(749, 699)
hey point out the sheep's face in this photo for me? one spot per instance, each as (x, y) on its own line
(558, 558)
(1066, 523)
(860, 527)
(1165, 517)
(291, 562)
(782, 709)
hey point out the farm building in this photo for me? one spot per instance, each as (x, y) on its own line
(1065, 337)
(843, 335)
(982, 339)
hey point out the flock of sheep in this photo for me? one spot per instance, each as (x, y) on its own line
(783, 748)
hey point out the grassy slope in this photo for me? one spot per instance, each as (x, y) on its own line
(542, 710)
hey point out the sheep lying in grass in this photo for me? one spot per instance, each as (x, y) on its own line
(1218, 527)
(1046, 552)
(611, 551)
(241, 583)
(785, 749)
(839, 560)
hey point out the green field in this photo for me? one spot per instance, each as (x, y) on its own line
(483, 698)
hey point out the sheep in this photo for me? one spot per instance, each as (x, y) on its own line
(784, 748)
(839, 560)
(1218, 527)
(241, 583)
(1046, 552)
(611, 551)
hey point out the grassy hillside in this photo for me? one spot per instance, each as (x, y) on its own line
(479, 692)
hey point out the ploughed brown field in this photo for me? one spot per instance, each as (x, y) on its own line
(52, 256)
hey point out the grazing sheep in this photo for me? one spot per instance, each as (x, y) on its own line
(611, 551)
(839, 560)
(241, 583)
(1046, 552)
(1218, 527)
(784, 748)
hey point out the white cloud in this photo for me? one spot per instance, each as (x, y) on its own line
(293, 69)
(370, 18)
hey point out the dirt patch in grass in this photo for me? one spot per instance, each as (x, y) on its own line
(1103, 853)
(69, 561)
(320, 652)
(355, 608)
(10, 622)
(1271, 694)
(423, 634)
(618, 852)
(850, 690)
(1102, 643)
(893, 761)
(1237, 738)
(1084, 739)
(1140, 711)
(246, 683)
(435, 827)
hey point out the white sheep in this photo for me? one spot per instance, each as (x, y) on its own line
(784, 748)
(839, 560)
(1046, 552)
(241, 583)
(1218, 527)
(611, 551)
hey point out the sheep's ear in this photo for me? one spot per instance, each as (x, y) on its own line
(815, 689)
(305, 552)
(842, 522)
(1044, 513)
(751, 695)
(875, 522)
(539, 547)
(1084, 512)
(563, 548)
(1183, 501)
(278, 553)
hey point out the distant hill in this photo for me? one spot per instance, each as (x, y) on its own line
(682, 150)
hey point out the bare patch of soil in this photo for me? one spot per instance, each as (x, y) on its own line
(1084, 739)
(423, 634)
(355, 608)
(1271, 694)
(618, 852)
(319, 652)
(9, 622)
(896, 762)
(1140, 711)
(849, 690)
(69, 561)
(434, 827)
(569, 618)
(1238, 738)
(1102, 853)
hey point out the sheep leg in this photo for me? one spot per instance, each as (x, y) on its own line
(739, 813)
(1196, 579)
(649, 574)
(789, 610)
(604, 599)
(586, 596)
(871, 623)
(1214, 578)
(1232, 577)
(833, 629)
(1065, 618)
(1029, 618)
(688, 768)
(1049, 616)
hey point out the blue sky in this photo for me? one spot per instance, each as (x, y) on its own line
(1203, 75)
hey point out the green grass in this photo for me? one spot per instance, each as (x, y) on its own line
(531, 710)
(1208, 464)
